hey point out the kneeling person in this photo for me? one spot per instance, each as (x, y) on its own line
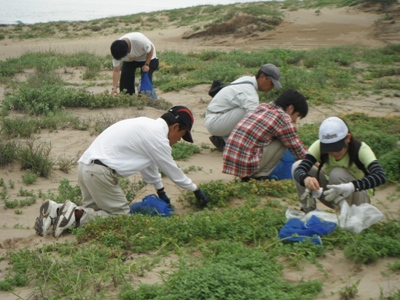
(138, 145)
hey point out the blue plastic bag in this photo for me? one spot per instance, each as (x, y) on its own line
(296, 230)
(284, 169)
(152, 205)
(146, 87)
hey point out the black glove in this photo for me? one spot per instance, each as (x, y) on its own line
(201, 197)
(163, 196)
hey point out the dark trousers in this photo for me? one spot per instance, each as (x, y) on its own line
(128, 70)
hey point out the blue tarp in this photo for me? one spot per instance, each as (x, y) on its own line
(152, 205)
(296, 230)
(284, 169)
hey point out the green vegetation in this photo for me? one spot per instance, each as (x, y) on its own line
(323, 75)
(230, 250)
(233, 251)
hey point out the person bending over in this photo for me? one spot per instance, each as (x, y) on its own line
(347, 169)
(138, 145)
(135, 50)
(234, 101)
(259, 140)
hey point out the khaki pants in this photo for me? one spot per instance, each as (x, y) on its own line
(270, 159)
(336, 176)
(101, 193)
(222, 124)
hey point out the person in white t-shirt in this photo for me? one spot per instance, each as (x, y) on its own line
(135, 50)
(138, 145)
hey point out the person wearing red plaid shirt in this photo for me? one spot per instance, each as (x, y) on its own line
(257, 143)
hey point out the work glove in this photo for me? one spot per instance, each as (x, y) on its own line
(337, 192)
(201, 197)
(163, 196)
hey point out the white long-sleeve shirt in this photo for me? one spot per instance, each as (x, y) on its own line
(138, 145)
(239, 95)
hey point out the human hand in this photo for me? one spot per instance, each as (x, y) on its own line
(311, 183)
(339, 190)
(163, 196)
(114, 91)
(201, 197)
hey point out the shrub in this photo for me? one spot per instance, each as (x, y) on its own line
(8, 152)
(36, 157)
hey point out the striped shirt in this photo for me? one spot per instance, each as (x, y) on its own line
(375, 178)
(244, 147)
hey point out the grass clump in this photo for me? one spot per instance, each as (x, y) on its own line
(35, 156)
(381, 240)
(29, 177)
(227, 271)
(183, 150)
(221, 193)
(8, 152)
(184, 230)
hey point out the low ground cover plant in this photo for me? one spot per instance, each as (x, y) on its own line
(232, 251)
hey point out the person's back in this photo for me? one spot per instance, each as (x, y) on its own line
(136, 51)
(138, 145)
(241, 93)
(233, 102)
(259, 140)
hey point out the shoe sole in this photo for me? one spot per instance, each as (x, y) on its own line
(44, 212)
(64, 219)
(39, 225)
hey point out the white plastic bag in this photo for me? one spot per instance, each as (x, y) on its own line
(356, 218)
(322, 215)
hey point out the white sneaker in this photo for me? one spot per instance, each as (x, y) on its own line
(65, 218)
(47, 215)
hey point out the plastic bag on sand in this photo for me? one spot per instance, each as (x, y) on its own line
(356, 218)
(352, 218)
(325, 216)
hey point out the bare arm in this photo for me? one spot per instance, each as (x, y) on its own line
(146, 66)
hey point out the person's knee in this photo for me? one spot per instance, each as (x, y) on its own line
(294, 166)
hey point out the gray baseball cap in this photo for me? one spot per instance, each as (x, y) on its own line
(272, 71)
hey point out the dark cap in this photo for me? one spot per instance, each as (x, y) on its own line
(272, 71)
(185, 116)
